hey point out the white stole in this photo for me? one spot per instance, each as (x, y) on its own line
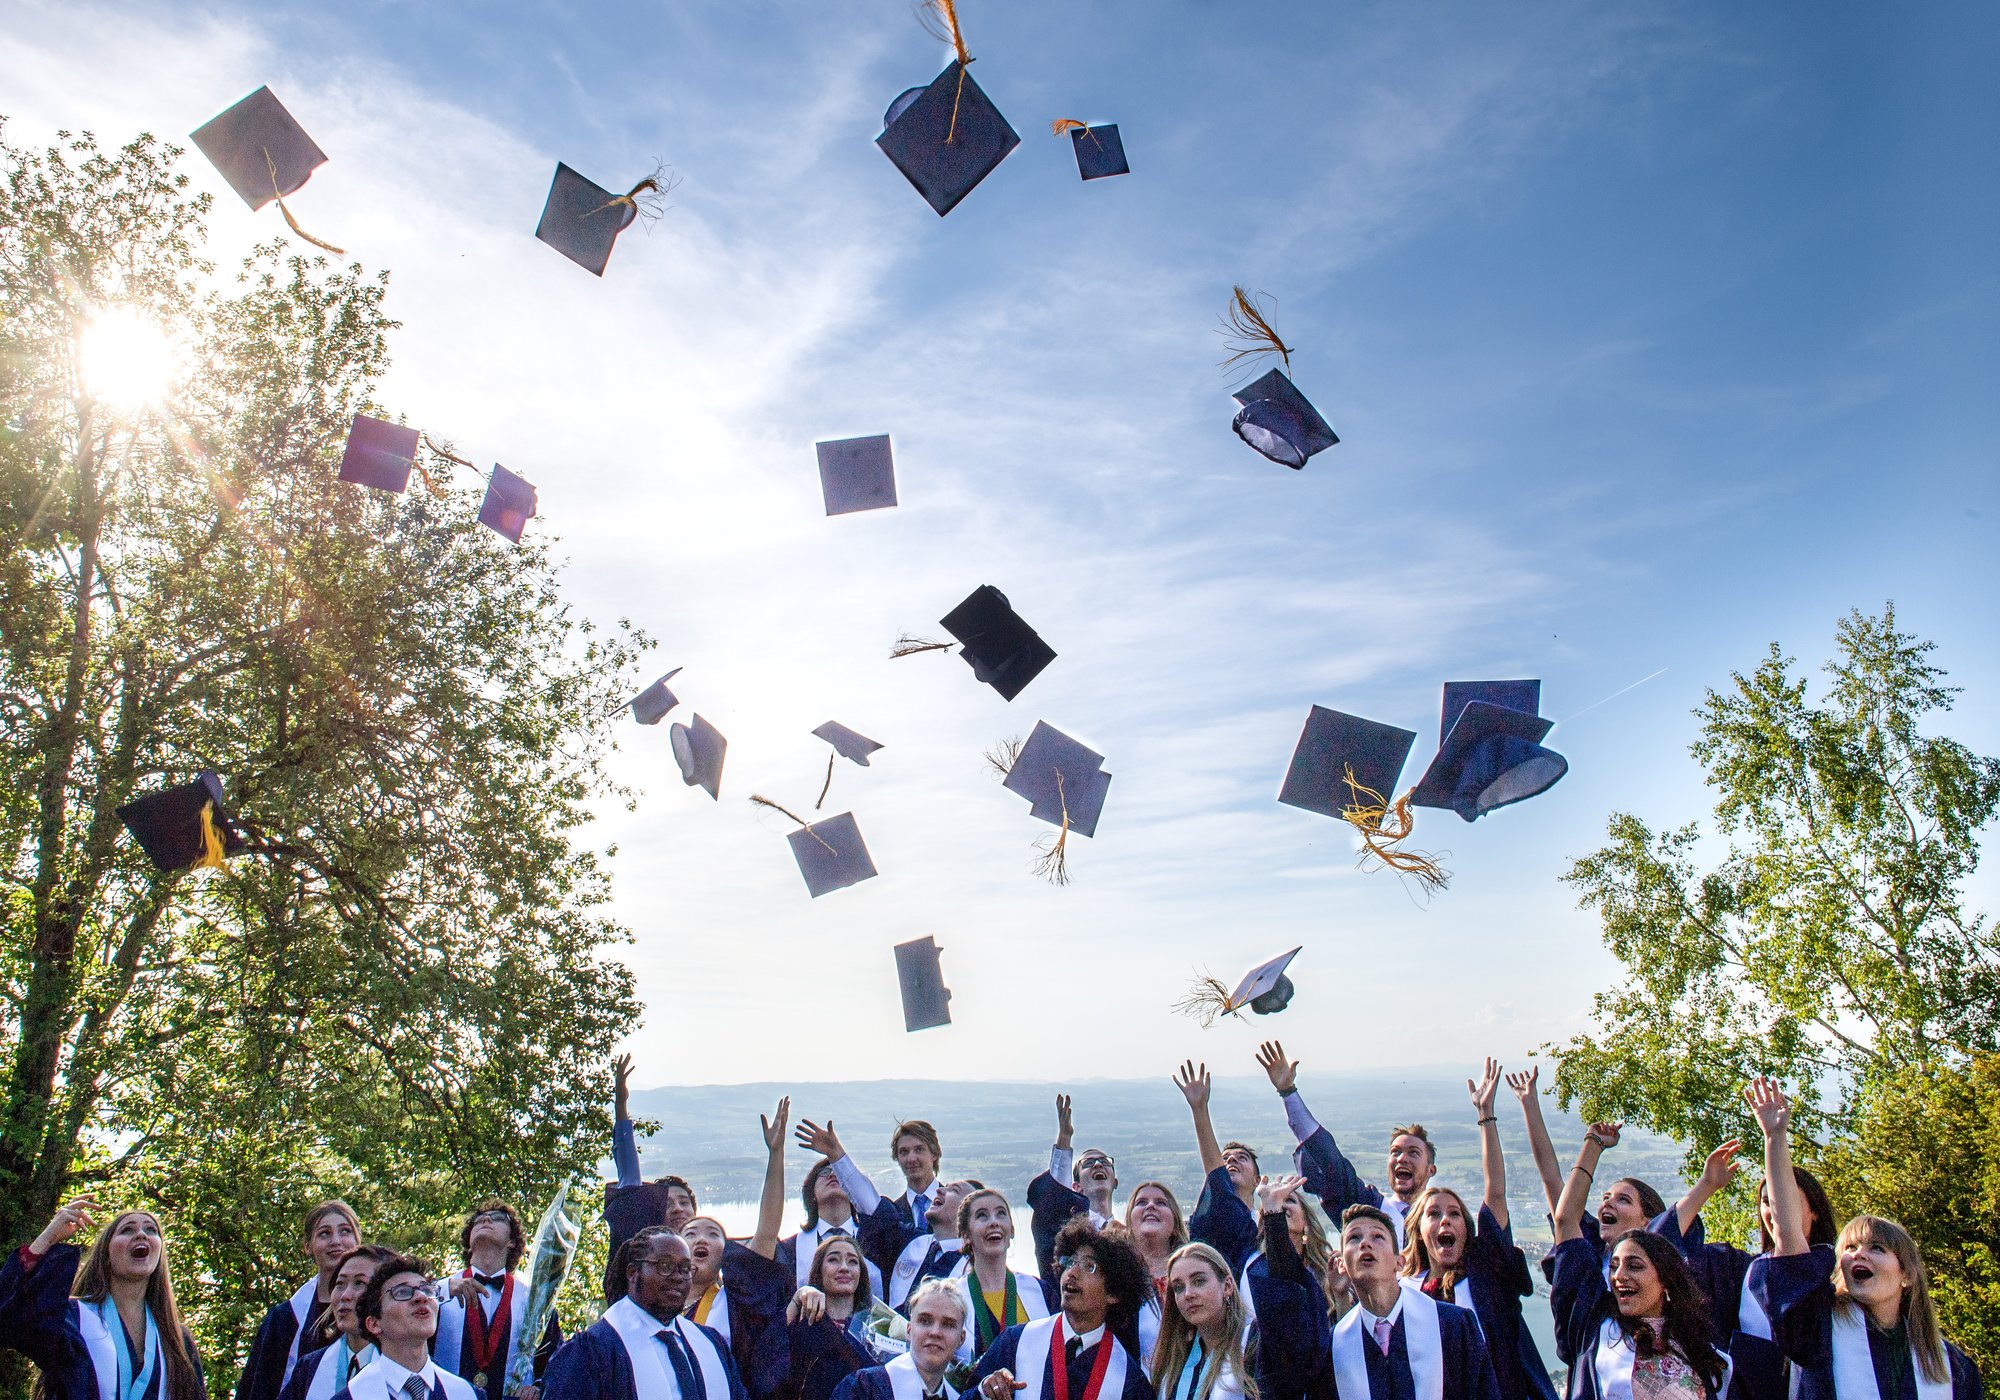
(1031, 1360)
(450, 1342)
(906, 1382)
(1612, 1359)
(651, 1375)
(1396, 1209)
(1027, 1288)
(372, 1383)
(103, 1349)
(326, 1382)
(1149, 1327)
(302, 1306)
(1422, 1340)
(1854, 1363)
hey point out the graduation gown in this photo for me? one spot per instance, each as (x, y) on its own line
(288, 1330)
(1051, 1206)
(1027, 1288)
(753, 1297)
(627, 1211)
(925, 1257)
(1332, 1178)
(318, 1375)
(1435, 1350)
(372, 1383)
(1223, 1222)
(596, 1364)
(1291, 1336)
(453, 1348)
(1024, 1350)
(1838, 1355)
(1493, 1282)
(885, 1233)
(899, 1380)
(805, 1360)
(77, 1354)
(1589, 1339)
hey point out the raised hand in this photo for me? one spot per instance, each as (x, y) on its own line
(466, 1290)
(807, 1305)
(1274, 1191)
(621, 1082)
(1065, 1125)
(1284, 1074)
(1768, 1102)
(1483, 1092)
(78, 1214)
(774, 1126)
(1193, 1084)
(1605, 1135)
(1721, 1168)
(1526, 1084)
(814, 1138)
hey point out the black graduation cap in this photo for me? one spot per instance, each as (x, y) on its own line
(509, 504)
(1331, 746)
(651, 705)
(926, 999)
(1277, 420)
(699, 750)
(947, 137)
(1489, 749)
(183, 826)
(1003, 651)
(582, 220)
(1099, 152)
(831, 854)
(260, 149)
(848, 744)
(1079, 796)
(379, 453)
(857, 474)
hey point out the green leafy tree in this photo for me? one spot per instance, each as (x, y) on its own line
(1818, 933)
(399, 991)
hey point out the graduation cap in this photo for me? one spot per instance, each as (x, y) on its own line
(1347, 767)
(379, 453)
(1003, 651)
(857, 474)
(183, 826)
(1099, 152)
(926, 999)
(1490, 752)
(650, 705)
(848, 744)
(830, 853)
(1264, 989)
(1275, 418)
(699, 750)
(263, 153)
(582, 220)
(949, 136)
(509, 504)
(1062, 779)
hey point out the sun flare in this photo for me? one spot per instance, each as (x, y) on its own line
(127, 362)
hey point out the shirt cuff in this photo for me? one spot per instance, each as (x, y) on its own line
(860, 1190)
(1061, 1163)
(29, 1258)
(1304, 1125)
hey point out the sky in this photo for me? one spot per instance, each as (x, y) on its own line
(1654, 333)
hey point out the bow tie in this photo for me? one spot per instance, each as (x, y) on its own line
(490, 1280)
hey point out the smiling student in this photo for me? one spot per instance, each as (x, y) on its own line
(937, 1327)
(1091, 1179)
(121, 1335)
(1200, 1354)
(399, 1312)
(1329, 1175)
(632, 1203)
(324, 1373)
(1222, 1216)
(1154, 1226)
(996, 1296)
(918, 1153)
(823, 1339)
(295, 1326)
(1856, 1317)
(643, 1348)
(1101, 1283)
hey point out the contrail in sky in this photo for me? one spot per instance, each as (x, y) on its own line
(1616, 693)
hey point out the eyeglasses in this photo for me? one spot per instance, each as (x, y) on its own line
(496, 1217)
(1081, 1263)
(682, 1269)
(403, 1292)
(1093, 1159)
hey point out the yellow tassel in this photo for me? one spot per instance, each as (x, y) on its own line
(906, 645)
(940, 17)
(1063, 125)
(630, 199)
(272, 166)
(213, 852)
(1053, 863)
(1252, 334)
(1205, 1000)
(1367, 812)
(767, 802)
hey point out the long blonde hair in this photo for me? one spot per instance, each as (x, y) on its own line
(1920, 1322)
(1178, 1336)
(93, 1285)
(1416, 1257)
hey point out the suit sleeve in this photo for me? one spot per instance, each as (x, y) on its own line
(1052, 1206)
(1292, 1329)
(1475, 1368)
(884, 1233)
(1577, 1298)
(1796, 1291)
(300, 1382)
(1331, 1177)
(1223, 1222)
(571, 1373)
(34, 1303)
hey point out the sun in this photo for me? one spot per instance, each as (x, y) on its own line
(127, 361)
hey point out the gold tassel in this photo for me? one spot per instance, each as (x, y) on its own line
(213, 852)
(272, 166)
(1366, 814)
(1053, 864)
(430, 483)
(940, 17)
(1002, 757)
(767, 802)
(1205, 1000)
(906, 645)
(826, 786)
(1063, 125)
(1250, 334)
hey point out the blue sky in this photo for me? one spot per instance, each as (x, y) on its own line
(1654, 333)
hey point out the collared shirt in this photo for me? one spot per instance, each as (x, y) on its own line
(1084, 1340)
(395, 1375)
(1388, 1317)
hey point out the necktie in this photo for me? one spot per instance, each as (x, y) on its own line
(1070, 1350)
(415, 1388)
(1382, 1330)
(833, 1230)
(684, 1371)
(920, 1205)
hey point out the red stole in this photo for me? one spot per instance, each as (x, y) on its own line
(486, 1340)
(1059, 1363)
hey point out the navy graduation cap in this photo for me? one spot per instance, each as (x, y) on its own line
(1099, 152)
(1334, 746)
(582, 220)
(263, 153)
(1279, 421)
(379, 454)
(1002, 649)
(949, 136)
(1062, 779)
(699, 750)
(509, 504)
(848, 744)
(926, 999)
(651, 705)
(856, 474)
(1490, 752)
(183, 827)
(831, 854)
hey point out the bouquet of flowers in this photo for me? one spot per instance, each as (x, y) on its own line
(555, 1245)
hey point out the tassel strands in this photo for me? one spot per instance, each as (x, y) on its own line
(1062, 126)
(1367, 813)
(1206, 999)
(940, 18)
(767, 802)
(827, 786)
(1053, 863)
(1002, 757)
(907, 645)
(1247, 334)
(213, 852)
(279, 195)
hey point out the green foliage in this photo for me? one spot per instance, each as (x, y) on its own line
(399, 993)
(1828, 946)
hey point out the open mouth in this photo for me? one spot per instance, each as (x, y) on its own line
(1860, 1272)
(1447, 1241)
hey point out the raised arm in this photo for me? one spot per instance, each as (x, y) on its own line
(1492, 1163)
(860, 1190)
(1063, 1154)
(1193, 1083)
(1527, 1088)
(1788, 1205)
(1576, 1190)
(1718, 1171)
(771, 1205)
(624, 1144)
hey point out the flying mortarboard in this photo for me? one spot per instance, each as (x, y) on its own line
(831, 854)
(926, 999)
(379, 454)
(582, 220)
(183, 826)
(1274, 417)
(949, 136)
(1490, 752)
(651, 705)
(699, 751)
(1346, 767)
(1264, 989)
(263, 153)
(1062, 779)
(1099, 152)
(857, 474)
(509, 504)
(848, 744)
(1003, 651)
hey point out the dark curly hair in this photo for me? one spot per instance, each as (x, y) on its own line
(1685, 1312)
(371, 1300)
(618, 1282)
(1127, 1281)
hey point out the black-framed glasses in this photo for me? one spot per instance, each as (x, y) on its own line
(495, 1217)
(403, 1292)
(680, 1268)
(1091, 1159)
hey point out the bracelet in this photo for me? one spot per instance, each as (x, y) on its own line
(1489, 1118)
(1580, 1167)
